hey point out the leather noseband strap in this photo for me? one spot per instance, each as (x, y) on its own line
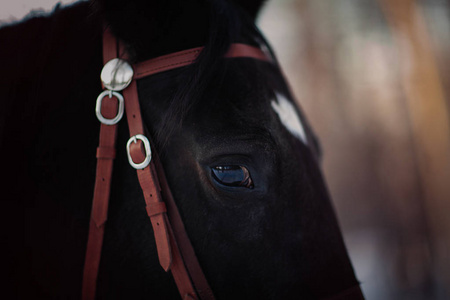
(175, 251)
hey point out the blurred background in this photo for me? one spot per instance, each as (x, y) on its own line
(373, 78)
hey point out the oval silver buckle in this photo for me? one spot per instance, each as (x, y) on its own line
(98, 107)
(148, 151)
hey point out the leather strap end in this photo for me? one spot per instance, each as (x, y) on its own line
(99, 213)
(163, 246)
(166, 265)
(99, 221)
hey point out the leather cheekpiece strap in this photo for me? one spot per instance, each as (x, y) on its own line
(100, 202)
(168, 251)
(106, 152)
(148, 181)
(156, 208)
(185, 246)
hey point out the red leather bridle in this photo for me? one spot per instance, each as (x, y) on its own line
(175, 251)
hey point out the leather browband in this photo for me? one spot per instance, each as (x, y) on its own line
(187, 57)
(175, 251)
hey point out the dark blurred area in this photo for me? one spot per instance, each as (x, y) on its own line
(373, 78)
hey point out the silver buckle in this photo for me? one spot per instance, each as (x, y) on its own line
(148, 151)
(98, 107)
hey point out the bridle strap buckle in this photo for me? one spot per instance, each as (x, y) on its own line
(147, 148)
(98, 107)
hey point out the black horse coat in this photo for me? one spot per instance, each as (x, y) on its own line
(277, 239)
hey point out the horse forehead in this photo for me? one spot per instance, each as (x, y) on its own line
(242, 111)
(251, 97)
(235, 113)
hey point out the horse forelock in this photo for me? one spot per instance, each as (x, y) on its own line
(213, 24)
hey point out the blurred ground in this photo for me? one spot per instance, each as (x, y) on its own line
(373, 77)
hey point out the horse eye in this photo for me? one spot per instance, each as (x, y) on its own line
(235, 176)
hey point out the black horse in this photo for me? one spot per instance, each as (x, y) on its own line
(240, 159)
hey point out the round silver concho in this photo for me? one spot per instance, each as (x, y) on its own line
(116, 74)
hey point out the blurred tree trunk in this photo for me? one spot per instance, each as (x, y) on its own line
(429, 117)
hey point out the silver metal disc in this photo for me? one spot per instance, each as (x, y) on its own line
(116, 74)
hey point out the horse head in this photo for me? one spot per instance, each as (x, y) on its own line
(241, 161)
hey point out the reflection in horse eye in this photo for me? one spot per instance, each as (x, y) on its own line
(233, 175)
